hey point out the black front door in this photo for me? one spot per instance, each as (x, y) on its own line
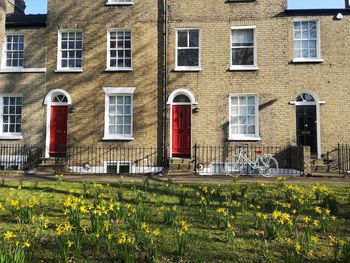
(307, 127)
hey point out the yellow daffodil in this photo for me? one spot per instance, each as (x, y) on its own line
(9, 235)
(69, 244)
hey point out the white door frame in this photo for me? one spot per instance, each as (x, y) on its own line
(171, 102)
(48, 102)
(318, 104)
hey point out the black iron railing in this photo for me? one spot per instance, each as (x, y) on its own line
(343, 158)
(19, 157)
(210, 160)
(107, 160)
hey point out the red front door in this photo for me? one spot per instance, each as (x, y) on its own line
(58, 129)
(181, 141)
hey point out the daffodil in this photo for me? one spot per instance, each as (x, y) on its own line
(9, 235)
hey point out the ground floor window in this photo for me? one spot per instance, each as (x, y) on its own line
(119, 114)
(11, 115)
(244, 117)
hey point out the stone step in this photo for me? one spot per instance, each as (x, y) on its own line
(320, 169)
(180, 173)
(329, 175)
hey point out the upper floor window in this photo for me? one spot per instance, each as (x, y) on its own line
(306, 40)
(187, 49)
(70, 50)
(119, 50)
(243, 48)
(14, 51)
(244, 117)
(119, 2)
(11, 116)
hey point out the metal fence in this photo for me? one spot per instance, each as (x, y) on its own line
(19, 157)
(343, 158)
(210, 160)
(107, 160)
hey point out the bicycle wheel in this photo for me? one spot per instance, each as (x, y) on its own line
(268, 166)
(234, 165)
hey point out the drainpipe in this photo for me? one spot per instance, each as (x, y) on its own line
(165, 78)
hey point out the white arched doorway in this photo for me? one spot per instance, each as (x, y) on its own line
(57, 102)
(308, 121)
(181, 102)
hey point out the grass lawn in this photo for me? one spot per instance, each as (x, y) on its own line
(166, 222)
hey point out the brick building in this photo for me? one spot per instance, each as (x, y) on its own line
(178, 73)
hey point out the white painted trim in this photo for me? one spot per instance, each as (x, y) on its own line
(71, 70)
(118, 69)
(184, 69)
(304, 60)
(22, 70)
(115, 92)
(318, 104)
(244, 67)
(118, 90)
(11, 137)
(111, 2)
(55, 92)
(187, 68)
(318, 44)
(185, 92)
(59, 52)
(48, 103)
(248, 137)
(108, 67)
(241, 138)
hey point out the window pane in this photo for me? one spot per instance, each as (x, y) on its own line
(243, 56)
(188, 58)
(194, 38)
(244, 37)
(182, 38)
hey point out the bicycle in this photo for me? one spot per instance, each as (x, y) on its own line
(264, 164)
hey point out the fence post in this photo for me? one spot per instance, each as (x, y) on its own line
(195, 158)
(307, 160)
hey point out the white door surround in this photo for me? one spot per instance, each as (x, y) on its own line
(171, 102)
(55, 97)
(309, 98)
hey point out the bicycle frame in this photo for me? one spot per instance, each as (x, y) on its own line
(254, 165)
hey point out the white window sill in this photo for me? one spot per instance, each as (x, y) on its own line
(188, 69)
(69, 71)
(22, 70)
(235, 138)
(118, 69)
(117, 138)
(125, 3)
(11, 137)
(242, 68)
(316, 60)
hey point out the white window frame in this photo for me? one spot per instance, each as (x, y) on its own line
(59, 52)
(4, 52)
(108, 67)
(246, 137)
(318, 45)
(14, 135)
(244, 67)
(188, 68)
(112, 91)
(118, 2)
